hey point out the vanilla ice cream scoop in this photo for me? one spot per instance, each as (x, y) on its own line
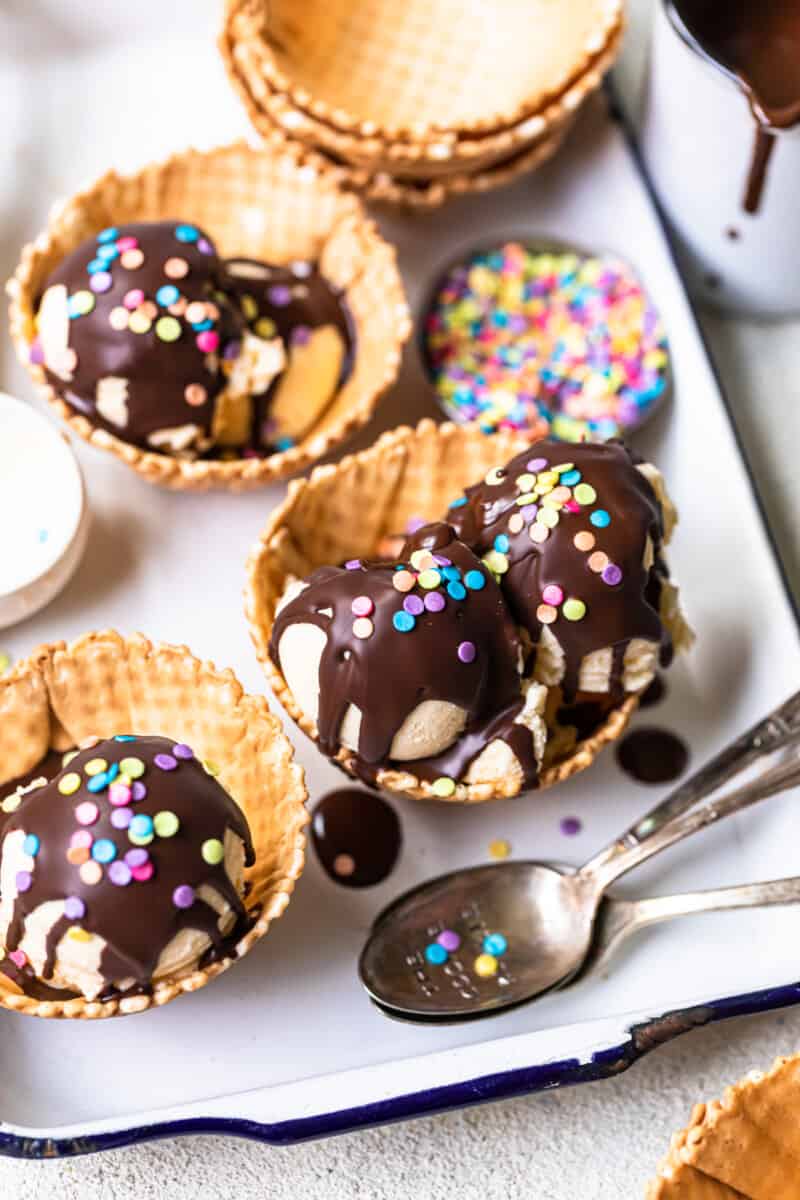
(415, 662)
(575, 535)
(125, 868)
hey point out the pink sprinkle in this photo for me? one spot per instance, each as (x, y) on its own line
(362, 606)
(208, 341)
(127, 243)
(353, 564)
(87, 813)
(119, 794)
(133, 298)
(18, 958)
(553, 594)
(572, 506)
(81, 839)
(143, 873)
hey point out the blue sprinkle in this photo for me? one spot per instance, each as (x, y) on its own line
(108, 235)
(501, 543)
(31, 845)
(201, 325)
(462, 500)
(403, 622)
(495, 943)
(600, 518)
(98, 782)
(436, 954)
(168, 294)
(284, 443)
(475, 580)
(104, 850)
(456, 590)
(451, 572)
(187, 233)
(96, 265)
(570, 478)
(124, 737)
(112, 772)
(107, 253)
(43, 536)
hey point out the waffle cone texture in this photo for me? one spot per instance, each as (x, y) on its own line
(743, 1147)
(343, 511)
(102, 684)
(275, 203)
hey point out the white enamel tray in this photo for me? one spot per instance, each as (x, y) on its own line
(286, 1046)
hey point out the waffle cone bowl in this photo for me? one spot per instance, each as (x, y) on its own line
(244, 44)
(344, 511)
(275, 203)
(743, 1147)
(103, 683)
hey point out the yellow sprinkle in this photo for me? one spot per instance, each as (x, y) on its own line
(525, 482)
(95, 766)
(495, 476)
(210, 767)
(11, 803)
(249, 308)
(68, 757)
(69, 784)
(485, 965)
(78, 934)
(528, 498)
(265, 327)
(499, 848)
(548, 517)
(496, 562)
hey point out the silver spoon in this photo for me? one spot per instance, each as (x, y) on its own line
(545, 913)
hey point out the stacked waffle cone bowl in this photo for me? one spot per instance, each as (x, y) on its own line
(388, 93)
(61, 710)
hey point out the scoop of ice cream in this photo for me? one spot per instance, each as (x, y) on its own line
(296, 305)
(415, 661)
(575, 535)
(126, 867)
(134, 332)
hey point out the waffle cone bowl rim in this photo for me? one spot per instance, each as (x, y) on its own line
(376, 153)
(241, 474)
(584, 752)
(347, 123)
(188, 980)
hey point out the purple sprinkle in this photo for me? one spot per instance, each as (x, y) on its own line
(449, 940)
(166, 762)
(138, 790)
(121, 817)
(441, 561)
(119, 873)
(36, 355)
(466, 652)
(101, 282)
(204, 246)
(415, 523)
(74, 908)
(232, 350)
(612, 575)
(353, 564)
(279, 295)
(183, 751)
(414, 605)
(434, 601)
(300, 335)
(570, 826)
(537, 464)
(183, 896)
(23, 880)
(137, 857)
(528, 512)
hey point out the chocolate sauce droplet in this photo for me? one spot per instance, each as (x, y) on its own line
(651, 755)
(654, 694)
(356, 836)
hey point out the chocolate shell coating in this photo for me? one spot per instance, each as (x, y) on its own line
(430, 657)
(138, 918)
(523, 520)
(171, 358)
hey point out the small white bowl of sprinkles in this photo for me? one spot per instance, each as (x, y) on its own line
(42, 485)
(528, 329)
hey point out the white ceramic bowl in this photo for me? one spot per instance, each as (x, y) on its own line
(45, 515)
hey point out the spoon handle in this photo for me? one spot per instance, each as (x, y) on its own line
(777, 730)
(618, 919)
(777, 779)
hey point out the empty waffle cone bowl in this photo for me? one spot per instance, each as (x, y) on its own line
(407, 73)
(244, 46)
(102, 685)
(344, 511)
(743, 1147)
(277, 204)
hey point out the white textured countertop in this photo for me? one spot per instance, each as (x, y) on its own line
(595, 1141)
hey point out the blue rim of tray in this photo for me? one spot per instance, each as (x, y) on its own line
(518, 1081)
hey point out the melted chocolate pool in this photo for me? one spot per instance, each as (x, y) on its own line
(651, 755)
(356, 836)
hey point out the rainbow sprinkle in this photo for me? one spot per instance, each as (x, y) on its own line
(515, 335)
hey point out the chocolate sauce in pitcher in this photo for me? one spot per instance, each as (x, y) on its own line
(759, 45)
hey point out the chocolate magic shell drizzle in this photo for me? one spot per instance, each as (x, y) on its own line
(141, 310)
(439, 632)
(759, 44)
(134, 888)
(565, 528)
